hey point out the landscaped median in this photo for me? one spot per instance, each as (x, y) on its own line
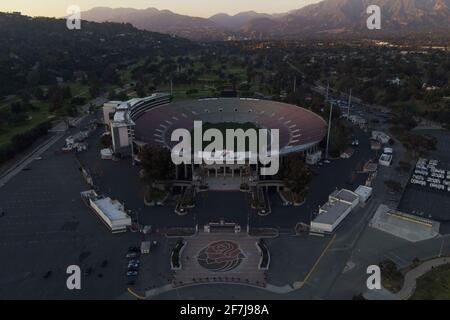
(185, 201)
(155, 196)
(264, 262)
(290, 197)
(260, 202)
(175, 258)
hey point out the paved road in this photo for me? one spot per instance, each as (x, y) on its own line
(29, 158)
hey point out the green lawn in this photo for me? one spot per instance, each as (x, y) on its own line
(79, 90)
(179, 92)
(435, 285)
(37, 117)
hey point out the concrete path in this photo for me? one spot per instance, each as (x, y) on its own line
(409, 286)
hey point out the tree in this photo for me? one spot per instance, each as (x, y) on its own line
(106, 141)
(157, 164)
(296, 175)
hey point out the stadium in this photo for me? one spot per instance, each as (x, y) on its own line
(151, 120)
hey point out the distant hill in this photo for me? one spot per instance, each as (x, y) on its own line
(329, 17)
(237, 21)
(34, 51)
(155, 20)
(349, 17)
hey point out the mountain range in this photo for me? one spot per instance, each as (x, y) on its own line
(328, 17)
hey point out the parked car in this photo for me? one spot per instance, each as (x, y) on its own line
(133, 249)
(131, 255)
(132, 273)
(88, 271)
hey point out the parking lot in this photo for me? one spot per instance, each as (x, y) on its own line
(429, 202)
(46, 228)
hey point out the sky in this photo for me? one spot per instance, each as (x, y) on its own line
(199, 8)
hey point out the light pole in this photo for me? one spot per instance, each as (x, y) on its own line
(349, 103)
(329, 129)
(132, 145)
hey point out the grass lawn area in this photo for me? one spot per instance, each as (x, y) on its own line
(435, 285)
(179, 92)
(79, 90)
(37, 117)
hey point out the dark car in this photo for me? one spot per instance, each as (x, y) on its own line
(132, 273)
(88, 271)
(132, 255)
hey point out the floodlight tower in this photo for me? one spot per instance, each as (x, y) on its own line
(349, 103)
(329, 129)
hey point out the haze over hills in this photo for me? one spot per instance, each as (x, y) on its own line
(163, 21)
(329, 17)
(237, 21)
(349, 16)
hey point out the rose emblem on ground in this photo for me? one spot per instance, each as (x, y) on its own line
(220, 256)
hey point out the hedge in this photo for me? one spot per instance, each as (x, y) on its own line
(22, 141)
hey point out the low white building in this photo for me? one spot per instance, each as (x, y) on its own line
(364, 193)
(331, 214)
(111, 212)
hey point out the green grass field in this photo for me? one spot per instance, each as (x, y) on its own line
(39, 115)
(435, 285)
(36, 117)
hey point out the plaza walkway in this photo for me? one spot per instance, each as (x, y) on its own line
(244, 272)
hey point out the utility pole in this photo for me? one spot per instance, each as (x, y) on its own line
(328, 91)
(329, 129)
(171, 87)
(295, 84)
(131, 135)
(349, 103)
